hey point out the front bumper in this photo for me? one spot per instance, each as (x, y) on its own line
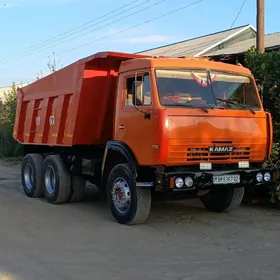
(203, 180)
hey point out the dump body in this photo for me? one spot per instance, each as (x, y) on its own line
(73, 106)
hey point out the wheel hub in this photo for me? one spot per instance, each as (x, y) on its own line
(50, 180)
(28, 177)
(121, 195)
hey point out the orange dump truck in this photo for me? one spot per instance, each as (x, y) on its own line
(136, 125)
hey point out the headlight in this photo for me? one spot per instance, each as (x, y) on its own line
(179, 183)
(259, 177)
(188, 182)
(267, 176)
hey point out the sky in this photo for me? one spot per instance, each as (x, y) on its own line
(32, 31)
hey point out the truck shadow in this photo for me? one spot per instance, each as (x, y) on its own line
(168, 210)
(178, 212)
(181, 212)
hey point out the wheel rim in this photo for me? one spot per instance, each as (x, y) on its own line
(50, 180)
(28, 177)
(121, 196)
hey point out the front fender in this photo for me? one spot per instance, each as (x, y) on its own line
(125, 152)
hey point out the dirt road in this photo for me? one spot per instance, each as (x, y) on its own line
(180, 240)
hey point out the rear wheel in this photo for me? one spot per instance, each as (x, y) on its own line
(31, 175)
(129, 204)
(57, 180)
(223, 199)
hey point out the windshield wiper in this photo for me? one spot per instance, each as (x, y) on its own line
(212, 89)
(191, 106)
(236, 104)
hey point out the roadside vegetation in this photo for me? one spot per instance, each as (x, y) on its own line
(266, 69)
(9, 148)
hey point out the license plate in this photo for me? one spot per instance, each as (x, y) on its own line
(226, 179)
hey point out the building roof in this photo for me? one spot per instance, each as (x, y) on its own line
(200, 45)
(271, 41)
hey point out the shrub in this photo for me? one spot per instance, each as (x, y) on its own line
(8, 146)
(266, 70)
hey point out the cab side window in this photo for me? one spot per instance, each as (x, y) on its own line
(130, 98)
(128, 91)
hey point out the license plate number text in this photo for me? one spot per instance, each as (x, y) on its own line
(226, 179)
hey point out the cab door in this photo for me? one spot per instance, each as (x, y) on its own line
(135, 125)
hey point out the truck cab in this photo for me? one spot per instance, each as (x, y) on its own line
(190, 111)
(194, 125)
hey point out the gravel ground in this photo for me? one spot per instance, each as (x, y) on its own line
(180, 240)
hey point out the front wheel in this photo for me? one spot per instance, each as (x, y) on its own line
(129, 204)
(223, 199)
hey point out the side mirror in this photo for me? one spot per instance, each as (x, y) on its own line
(138, 93)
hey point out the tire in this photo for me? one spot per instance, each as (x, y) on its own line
(77, 188)
(138, 200)
(223, 199)
(57, 180)
(31, 175)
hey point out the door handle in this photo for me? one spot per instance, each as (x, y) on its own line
(121, 126)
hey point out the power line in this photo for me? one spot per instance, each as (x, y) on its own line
(76, 29)
(87, 32)
(33, 50)
(236, 18)
(206, 43)
(166, 49)
(134, 26)
(238, 14)
(124, 30)
(73, 29)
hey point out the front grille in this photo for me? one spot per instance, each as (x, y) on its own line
(202, 154)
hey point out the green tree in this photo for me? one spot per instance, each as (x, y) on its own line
(9, 106)
(39, 75)
(8, 146)
(54, 64)
(266, 70)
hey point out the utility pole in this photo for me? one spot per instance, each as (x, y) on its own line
(260, 25)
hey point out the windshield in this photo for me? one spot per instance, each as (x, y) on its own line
(192, 88)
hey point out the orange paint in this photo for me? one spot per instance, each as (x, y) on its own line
(189, 137)
(84, 104)
(172, 183)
